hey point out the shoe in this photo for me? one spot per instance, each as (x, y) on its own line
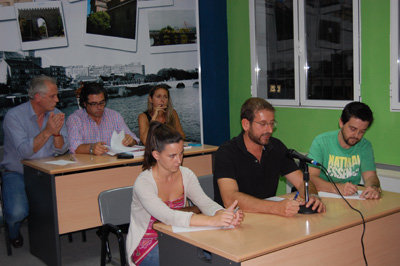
(17, 242)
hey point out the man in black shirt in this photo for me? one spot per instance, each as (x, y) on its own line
(248, 167)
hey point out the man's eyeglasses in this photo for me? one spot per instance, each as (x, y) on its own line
(93, 104)
(264, 123)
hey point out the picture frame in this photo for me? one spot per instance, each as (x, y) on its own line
(118, 27)
(41, 25)
(172, 30)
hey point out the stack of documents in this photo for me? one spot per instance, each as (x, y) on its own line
(118, 147)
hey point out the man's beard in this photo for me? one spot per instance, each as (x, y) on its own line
(258, 140)
(347, 140)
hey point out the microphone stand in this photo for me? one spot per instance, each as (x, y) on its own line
(306, 177)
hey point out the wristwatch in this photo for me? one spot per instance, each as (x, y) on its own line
(91, 148)
(377, 187)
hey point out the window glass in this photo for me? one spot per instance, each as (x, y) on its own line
(329, 40)
(280, 52)
(305, 53)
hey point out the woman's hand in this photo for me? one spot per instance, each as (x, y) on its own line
(228, 217)
(158, 111)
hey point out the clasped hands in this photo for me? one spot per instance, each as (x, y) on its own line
(230, 216)
(55, 123)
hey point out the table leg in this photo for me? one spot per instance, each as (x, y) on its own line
(44, 239)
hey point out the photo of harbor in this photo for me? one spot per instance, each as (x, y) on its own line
(126, 84)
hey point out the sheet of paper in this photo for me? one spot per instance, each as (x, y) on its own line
(118, 147)
(181, 229)
(274, 198)
(323, 194)
(60, 162)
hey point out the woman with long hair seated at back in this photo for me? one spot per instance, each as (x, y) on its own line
(161, 190)
(159, 108)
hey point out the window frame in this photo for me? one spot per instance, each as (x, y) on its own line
(300, 59)
(394, 56)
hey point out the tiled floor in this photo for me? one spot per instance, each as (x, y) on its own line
(76, 253)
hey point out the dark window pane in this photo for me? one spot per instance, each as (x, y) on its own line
(280, 53)
(329, 40)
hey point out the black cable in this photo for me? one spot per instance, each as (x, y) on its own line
(362, 217)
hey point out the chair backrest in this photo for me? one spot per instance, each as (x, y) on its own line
(206, 183)
(115, 205)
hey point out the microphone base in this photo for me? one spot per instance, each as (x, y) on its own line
(306, 210)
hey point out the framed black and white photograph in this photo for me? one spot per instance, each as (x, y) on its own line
(172, 30)
(112, 24)
(41, 25)
(126, 75)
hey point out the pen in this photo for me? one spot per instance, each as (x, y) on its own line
(236, 209)
(295, 196)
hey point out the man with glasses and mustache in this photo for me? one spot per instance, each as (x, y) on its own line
(247, 168)
(90, 128)
(347, 155)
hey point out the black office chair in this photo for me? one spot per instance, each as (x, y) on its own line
(5, 226)
(115, 210)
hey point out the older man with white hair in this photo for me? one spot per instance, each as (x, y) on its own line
(32, 130)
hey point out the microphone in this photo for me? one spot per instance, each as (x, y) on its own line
(294, 154)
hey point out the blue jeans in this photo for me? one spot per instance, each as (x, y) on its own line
(15, 201)
(152, 259)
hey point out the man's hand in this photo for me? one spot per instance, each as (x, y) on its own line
(99, 148)
(316, 203)
(288, 207)
(371, 193)
(55, 123)
(347, 189)
(128, 140)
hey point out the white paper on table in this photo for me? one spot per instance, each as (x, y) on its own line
(60, 162)
(117, 146)
(275, 198)
(323, 194)
(181, 229)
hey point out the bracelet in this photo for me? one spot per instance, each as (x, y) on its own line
(91, 148)
(56, 135)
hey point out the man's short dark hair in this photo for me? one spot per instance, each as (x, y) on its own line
(357, 110)
(253, 105)
(90, 88)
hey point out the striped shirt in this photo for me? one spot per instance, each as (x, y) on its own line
(84, 130)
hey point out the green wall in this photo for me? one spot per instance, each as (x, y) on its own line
(239, 59)
(298, 126)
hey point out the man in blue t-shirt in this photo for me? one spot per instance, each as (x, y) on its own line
(346, 155)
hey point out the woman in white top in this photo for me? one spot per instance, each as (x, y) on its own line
(161, 190)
